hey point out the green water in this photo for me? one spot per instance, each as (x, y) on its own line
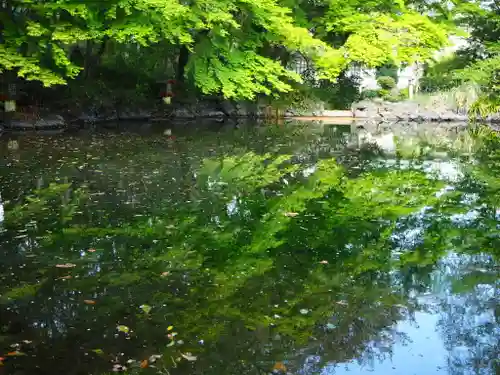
(290, 249)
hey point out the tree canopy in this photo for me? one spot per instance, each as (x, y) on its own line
(237, 48)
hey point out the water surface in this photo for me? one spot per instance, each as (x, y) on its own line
(298, 249)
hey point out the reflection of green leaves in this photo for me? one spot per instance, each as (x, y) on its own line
(247, 241)
(20, 292)
(467, 283)
(123, 329)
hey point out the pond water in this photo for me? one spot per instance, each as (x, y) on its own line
(290, 249)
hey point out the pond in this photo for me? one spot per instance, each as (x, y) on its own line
(290, 249)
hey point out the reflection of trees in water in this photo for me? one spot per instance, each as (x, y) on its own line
(469, 320)
(238, 279)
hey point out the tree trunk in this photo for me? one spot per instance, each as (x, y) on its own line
(181, 65)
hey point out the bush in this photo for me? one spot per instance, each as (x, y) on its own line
(393, 98)
(386, 83)
(388, 70)
(404, 94)
(384, 93)
(369, 94)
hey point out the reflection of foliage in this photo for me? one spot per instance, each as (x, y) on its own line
(247, 250)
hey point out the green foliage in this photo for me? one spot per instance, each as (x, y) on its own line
(388, 70)
(237, 49)
(306, 97)
(441, 75)
(370, 94)
(386, 83)
(383, 93)
(478, 64)
(404, 94)
(238, 74)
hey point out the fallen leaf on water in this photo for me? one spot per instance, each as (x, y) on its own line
(122, 328)
(324, 262)
(304, 311)
(154, 358)
(98, 351)
(164, 274)
(27, 341)
(67, 277)
(330, 326)
(66, 265)
(91, 250)
(119, 368)
(144, 363)
(89, 302)
(279, 367)
(146, 308)
(291, 214)
(188, 356)
(171, 343)
(169, 328)
(16, 353)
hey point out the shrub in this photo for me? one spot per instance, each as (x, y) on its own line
(386, 83)
(393, 98)
(384, 93)
(404, 94)
(388, 70)
(369, 94)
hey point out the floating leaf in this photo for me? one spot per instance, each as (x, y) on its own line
(67, 277)
(330, 326)
(279, 367)
(144, 363)
(165, 274)
(66, 265)
(146, 308)
(16, 353)
(304, 311)
(91, 250)
(291, 214)
(119, 368)
(323, 262)
(171, 343)
(89, 302)
(153, 358)
(98, 351)
(169, 328)
(189, 356)
(122, 328)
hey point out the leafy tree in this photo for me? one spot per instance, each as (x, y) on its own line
(235, 48)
